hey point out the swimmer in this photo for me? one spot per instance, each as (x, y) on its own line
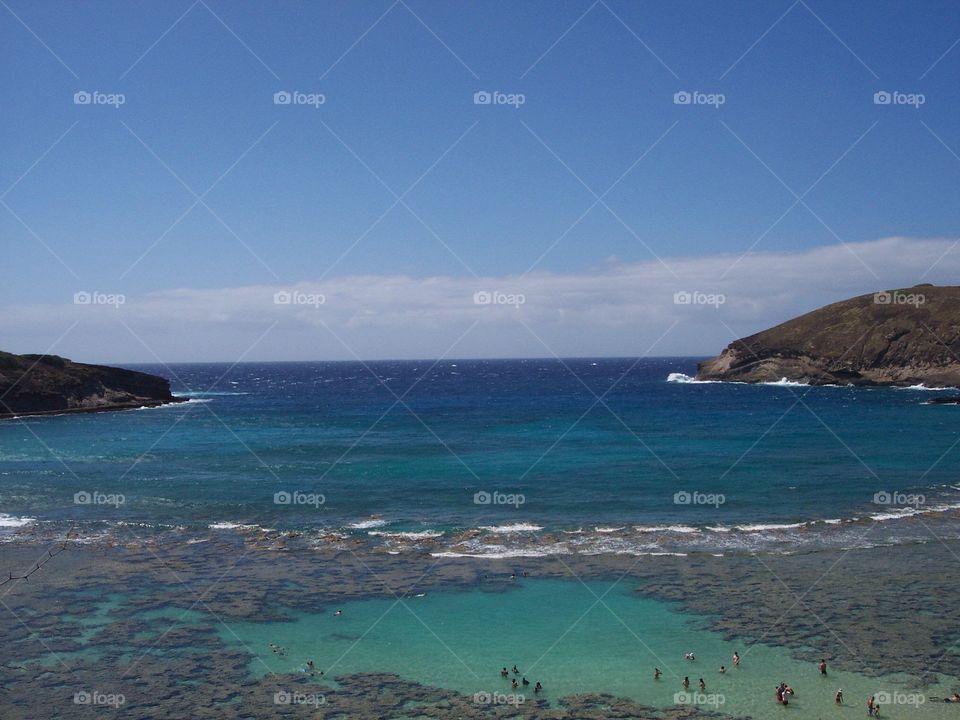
(504, 673)
(514, 684)
(339, 612)
(525, 682)
(538, 687)
(839, 696)
(657, 673)
(689, 656)
(722, 669)
(515, 671)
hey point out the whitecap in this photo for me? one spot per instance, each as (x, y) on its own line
(772, 526)
(9, 521)
(423, 535)
(514, 528)
(686, 529)
(366, 524)
(684, 378)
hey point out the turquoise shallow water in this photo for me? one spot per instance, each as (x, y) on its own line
(572, 637)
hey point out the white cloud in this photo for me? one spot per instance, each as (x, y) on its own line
(617, 309)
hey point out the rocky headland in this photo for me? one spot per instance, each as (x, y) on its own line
(49, 384)
(898, 337)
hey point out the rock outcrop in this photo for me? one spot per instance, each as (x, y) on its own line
(899, 337)
(48, 384)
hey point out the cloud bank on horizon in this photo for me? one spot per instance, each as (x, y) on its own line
(685, 306)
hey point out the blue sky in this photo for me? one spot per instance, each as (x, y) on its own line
(98, 197)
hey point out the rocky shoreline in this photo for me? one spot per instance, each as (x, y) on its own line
(52, 385)
(894, 338)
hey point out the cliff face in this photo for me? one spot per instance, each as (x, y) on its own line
(900, 337)
(35, 384)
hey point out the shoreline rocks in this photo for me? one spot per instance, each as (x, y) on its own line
(894, 338)
(52, 385)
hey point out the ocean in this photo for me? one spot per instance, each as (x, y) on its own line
(496, 458)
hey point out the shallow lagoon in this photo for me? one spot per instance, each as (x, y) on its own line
(572, 637)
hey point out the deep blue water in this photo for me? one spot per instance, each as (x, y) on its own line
(586, 443)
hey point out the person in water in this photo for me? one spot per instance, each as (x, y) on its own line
(525, 682)
(514, 684)
(736, 659)
(870, 706)
(722, 669)
(515, 671)
(538, 687)
(689, 656)
(686, 682)
(657, 673)
(703, 685)
(339, 612)
(839, 696)
(823, 666)
(504, 673)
